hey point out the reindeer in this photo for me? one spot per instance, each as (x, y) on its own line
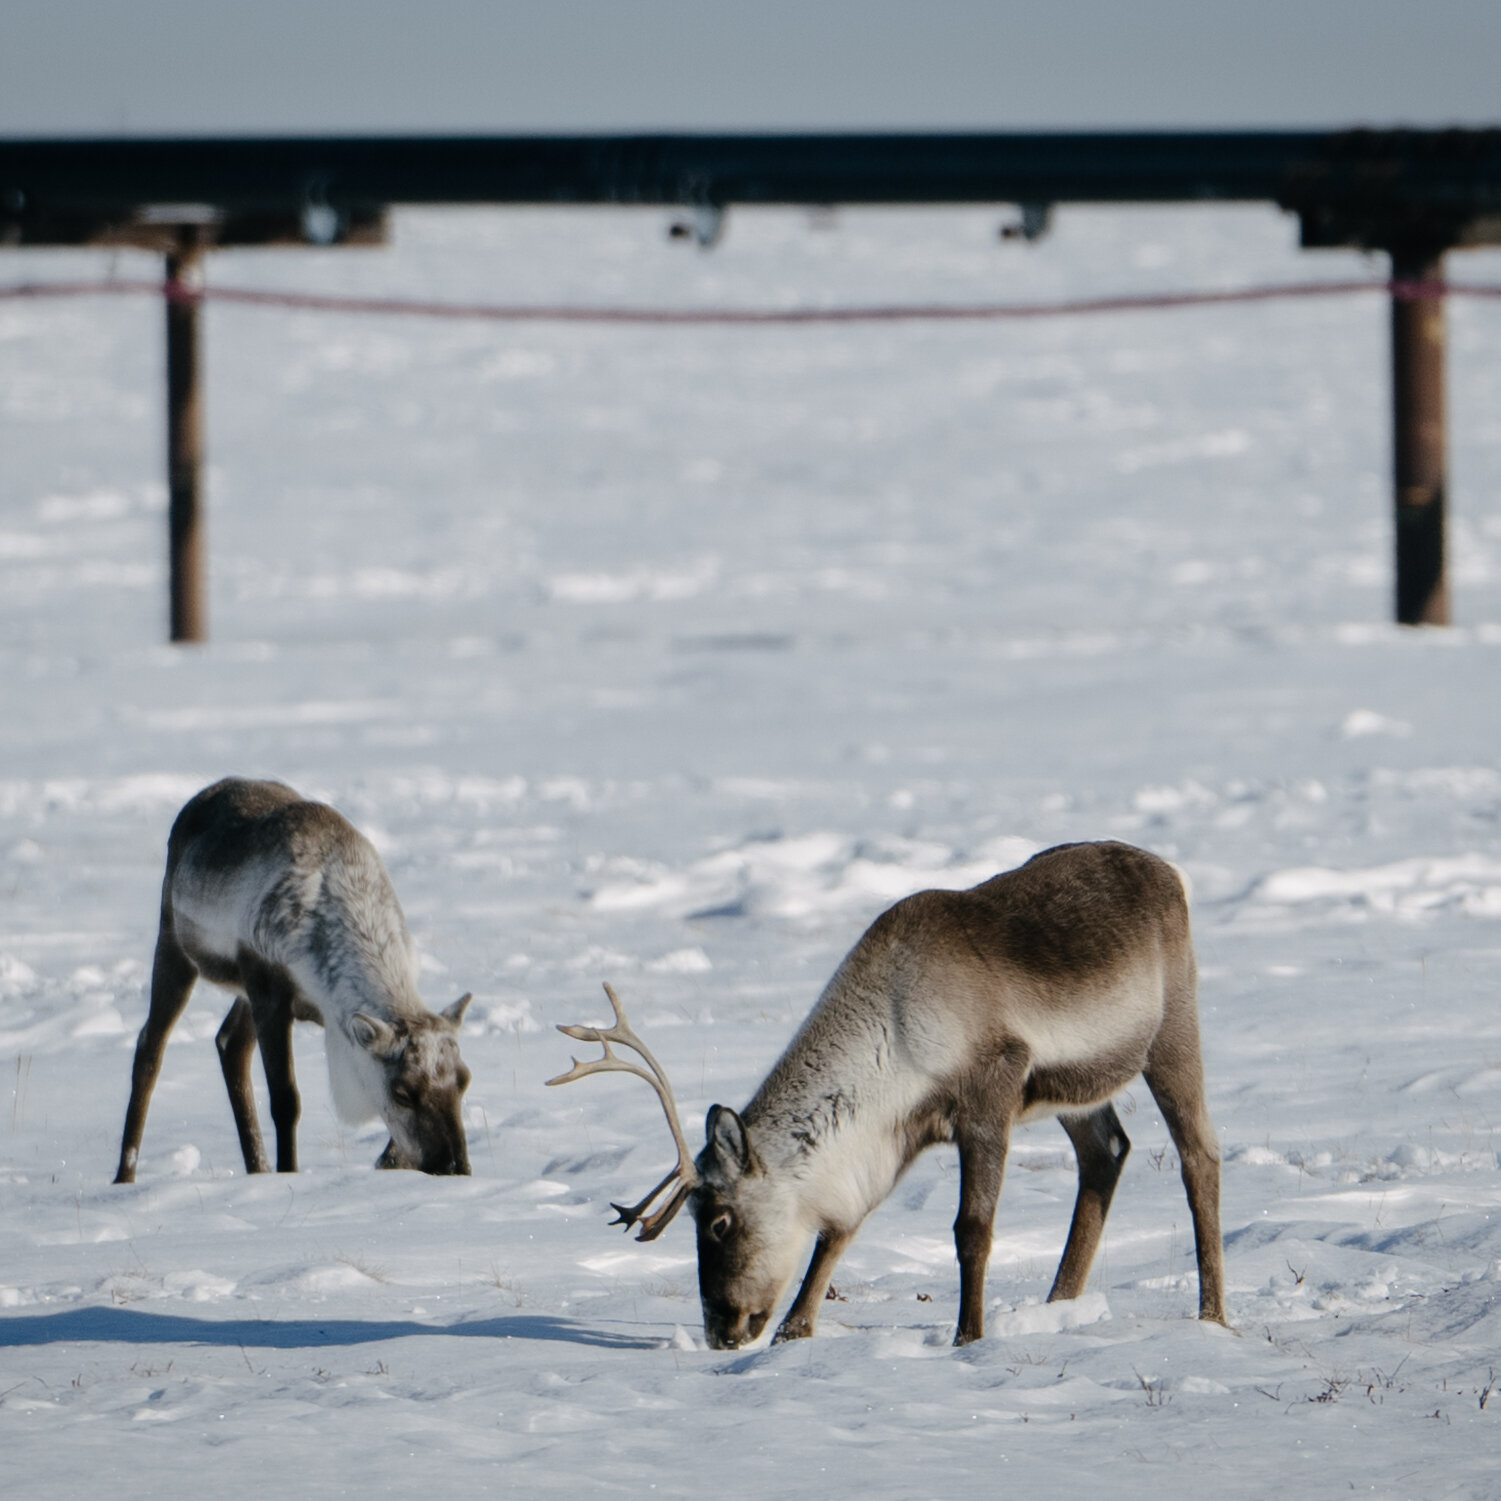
(1043, 991)
(284, 902)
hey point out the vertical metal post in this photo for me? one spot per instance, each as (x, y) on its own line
(1419, 440)
(189, 599)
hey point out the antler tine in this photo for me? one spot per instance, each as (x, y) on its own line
(685, 1172)
(630, 1214)
(654, 1224)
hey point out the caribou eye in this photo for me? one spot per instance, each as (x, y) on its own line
(403, 1096)
(719, 1226)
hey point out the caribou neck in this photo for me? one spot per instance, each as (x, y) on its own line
(843, 1112)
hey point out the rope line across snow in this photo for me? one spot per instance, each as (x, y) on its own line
(893, 313)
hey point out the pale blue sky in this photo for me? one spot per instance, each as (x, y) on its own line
(71, 67)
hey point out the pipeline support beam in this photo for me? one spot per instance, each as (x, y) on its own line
(186, 548)
(1419, 437)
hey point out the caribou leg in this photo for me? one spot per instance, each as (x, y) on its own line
(982, 1165)
(172, 977)
(803, 1315)
(236, 1044)
(270, 997)
(1101, 1147)
(1176, 1078)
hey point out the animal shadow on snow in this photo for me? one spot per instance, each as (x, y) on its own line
(134, 1327)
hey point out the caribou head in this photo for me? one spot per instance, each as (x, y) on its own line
(748, 1238)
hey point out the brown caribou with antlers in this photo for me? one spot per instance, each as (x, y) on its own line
(1043, 991)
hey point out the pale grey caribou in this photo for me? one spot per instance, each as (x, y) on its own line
(284, 902)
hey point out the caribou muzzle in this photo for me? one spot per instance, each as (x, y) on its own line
(444, 1159)
(729, 1328)
(452, 1162)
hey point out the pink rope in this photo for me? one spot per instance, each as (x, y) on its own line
(177, 291)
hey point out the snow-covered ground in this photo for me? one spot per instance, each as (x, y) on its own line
(670, 657)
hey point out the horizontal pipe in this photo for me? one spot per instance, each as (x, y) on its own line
(1441, 172)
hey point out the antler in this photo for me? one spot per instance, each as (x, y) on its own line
(685, 1173)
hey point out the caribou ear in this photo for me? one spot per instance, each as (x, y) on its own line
(727, 1140)
(454, 1014)
(372, 1034)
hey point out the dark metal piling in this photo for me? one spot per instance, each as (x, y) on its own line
(189, 596)
(1419, 436)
